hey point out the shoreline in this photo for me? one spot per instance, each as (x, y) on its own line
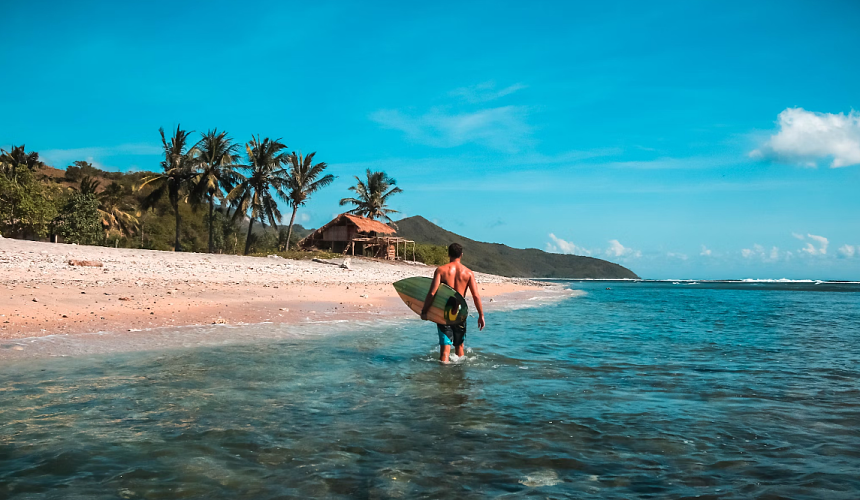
(133, 290)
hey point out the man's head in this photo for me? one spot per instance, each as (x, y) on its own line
(455, 251)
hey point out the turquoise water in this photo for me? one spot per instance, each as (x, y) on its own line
(648, 390)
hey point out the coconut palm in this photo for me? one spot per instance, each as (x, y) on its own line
(10, 160)
(89, 185)
(302, 181)
(216, 156)
(253, 193)
(178, 170)
(373, 196)
(115, 215)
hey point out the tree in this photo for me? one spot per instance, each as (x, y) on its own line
(253, 194)
(79, 169)
(89, 185)
(27, 206)
(15, 157)
(115, 215)
(373, 196)
(79, 220)
(303, 180)
(216, 157)
(178, 170)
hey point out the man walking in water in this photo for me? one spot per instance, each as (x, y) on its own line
(458, 277)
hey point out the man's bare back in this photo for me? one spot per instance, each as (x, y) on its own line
(460, 278)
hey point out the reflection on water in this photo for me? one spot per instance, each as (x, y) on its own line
(644, 390)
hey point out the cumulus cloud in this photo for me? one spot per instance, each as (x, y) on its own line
(706, 252)
(760, 253)
(485, 92)
(616, 249)
(808, 137)
(848, 251)
(558, 245)
(811, 249)
(62, 157)
(503, 128)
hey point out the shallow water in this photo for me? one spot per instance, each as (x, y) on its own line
(645, 390)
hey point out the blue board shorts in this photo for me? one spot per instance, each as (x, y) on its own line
(452, 334)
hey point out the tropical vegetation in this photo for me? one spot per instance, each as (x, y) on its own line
(303, 180)
(241, 196)
(372, 196)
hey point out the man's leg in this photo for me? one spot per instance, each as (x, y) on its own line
(444, 353)
(444, 343)
(459, 332)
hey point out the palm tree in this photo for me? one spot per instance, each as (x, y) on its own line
(302, 182)
(216, 157)
(115, 216)
(89, 185)
(373, 196)
(178, 166)
(10, 160)
(254, 191)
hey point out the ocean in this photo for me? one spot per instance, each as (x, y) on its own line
(619, 390)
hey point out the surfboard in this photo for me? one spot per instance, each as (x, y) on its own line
(449, 307)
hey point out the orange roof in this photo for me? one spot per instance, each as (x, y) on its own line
(366, 225)
(363, 224)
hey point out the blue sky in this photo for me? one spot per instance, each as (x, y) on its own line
(688, 139)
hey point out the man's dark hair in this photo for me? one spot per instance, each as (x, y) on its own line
(455, 250)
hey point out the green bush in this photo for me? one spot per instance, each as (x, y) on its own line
(432, 255)
(27, 206)
(79, 220)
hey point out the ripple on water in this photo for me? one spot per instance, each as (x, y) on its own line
(625, 393)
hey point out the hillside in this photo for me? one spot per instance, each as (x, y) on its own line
(495, 258)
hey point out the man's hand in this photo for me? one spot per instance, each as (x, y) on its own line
(481, 322)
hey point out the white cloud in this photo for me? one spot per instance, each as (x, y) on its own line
(807, 137)
(559, 245)
(798, 236)
(673, 255)
(759, 252)
(503, 128)
(60, 158)
(848, 251)
(616, 249)
(810, 247)
(303, 217)
(706, 252)
(484, 92)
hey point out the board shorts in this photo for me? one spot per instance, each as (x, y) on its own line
(452, 334)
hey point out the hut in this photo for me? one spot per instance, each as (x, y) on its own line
(354, 235)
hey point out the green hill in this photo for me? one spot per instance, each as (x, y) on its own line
(495, 258)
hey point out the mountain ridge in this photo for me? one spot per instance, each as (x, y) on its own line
(496, 258)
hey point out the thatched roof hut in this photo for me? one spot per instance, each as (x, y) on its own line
(353, 234)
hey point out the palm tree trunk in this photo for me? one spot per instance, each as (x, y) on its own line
(290, 230)
(248, 239)
(177, 247)
(211, 224)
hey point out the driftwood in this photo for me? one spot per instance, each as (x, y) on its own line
(86, 263)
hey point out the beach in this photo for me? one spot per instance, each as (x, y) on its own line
(49, 289)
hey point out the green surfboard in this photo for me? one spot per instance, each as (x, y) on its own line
(449, 307)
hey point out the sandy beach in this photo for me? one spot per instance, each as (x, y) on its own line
(45, 291)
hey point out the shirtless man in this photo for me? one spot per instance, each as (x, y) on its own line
(458, 277)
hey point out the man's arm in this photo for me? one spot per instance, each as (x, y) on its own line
(428, 301)
(473, 287)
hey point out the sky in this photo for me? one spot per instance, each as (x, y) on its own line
(705, 140)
